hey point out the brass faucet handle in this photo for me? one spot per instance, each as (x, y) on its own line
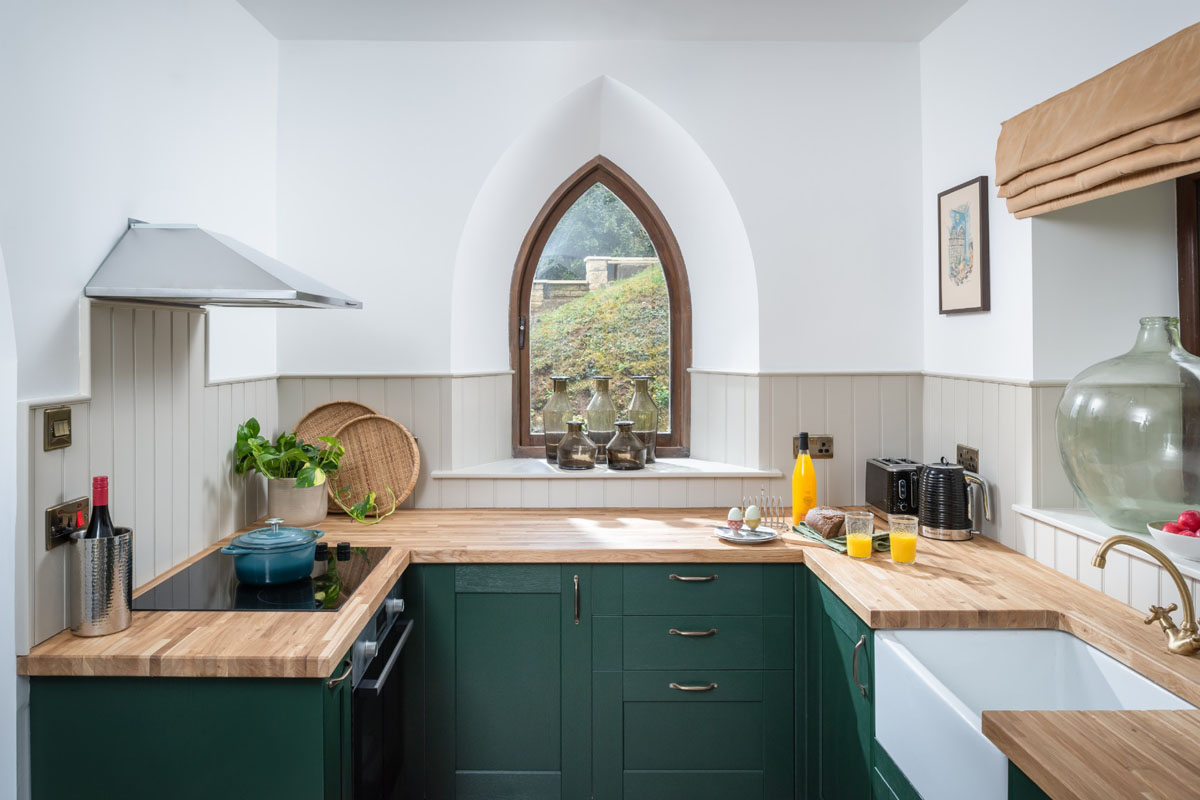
(1158, 612)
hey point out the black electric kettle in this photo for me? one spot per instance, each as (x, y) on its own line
(947, 501)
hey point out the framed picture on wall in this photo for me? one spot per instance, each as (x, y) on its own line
(962, 226)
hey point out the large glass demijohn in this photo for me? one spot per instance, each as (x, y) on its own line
(1129, 430)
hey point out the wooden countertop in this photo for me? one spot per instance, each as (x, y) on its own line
(1102, 755)
(976, 584)
(310, 645)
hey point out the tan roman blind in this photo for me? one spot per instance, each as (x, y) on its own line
(1132, 125)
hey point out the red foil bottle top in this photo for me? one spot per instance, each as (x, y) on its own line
(100, 490)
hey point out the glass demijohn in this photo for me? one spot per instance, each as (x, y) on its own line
(1129, 434)
(555, 415)
(576, 450)
(644, 414)
(626, 450)
(601, 416)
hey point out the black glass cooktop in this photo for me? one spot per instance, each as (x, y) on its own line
(211, 585)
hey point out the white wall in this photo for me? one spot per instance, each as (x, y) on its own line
(161, 111)
(1098, 268)
(385, 148)
(8, 544)
(988, 62)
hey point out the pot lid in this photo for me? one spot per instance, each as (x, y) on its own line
(276, 537)
(944, 466)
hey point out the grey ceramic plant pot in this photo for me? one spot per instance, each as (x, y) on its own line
(297, 507)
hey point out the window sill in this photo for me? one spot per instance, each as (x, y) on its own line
(1084, 524)
(540, 469)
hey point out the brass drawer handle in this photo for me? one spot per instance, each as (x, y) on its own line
(854, 664)
(677, 632)
(683, 688)
(692, 578)
(332, 683)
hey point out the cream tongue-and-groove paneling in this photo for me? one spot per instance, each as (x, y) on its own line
(162, 434)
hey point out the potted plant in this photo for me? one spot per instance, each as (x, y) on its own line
(295, 470)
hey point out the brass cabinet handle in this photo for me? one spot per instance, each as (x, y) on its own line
(333, 682)
(677, 632)
(683, 688)
(576, 599)
(862, 640)
(692, 578)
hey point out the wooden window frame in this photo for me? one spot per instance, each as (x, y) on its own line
(1187, 226)
(600, 170)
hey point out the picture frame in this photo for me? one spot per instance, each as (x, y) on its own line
(964, 284)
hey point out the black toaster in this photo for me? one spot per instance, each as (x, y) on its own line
(892, 484)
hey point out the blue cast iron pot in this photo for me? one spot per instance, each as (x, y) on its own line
(274, 555)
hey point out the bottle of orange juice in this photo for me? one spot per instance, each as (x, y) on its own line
(804, 482)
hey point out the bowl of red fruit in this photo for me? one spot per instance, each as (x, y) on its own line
(1180, 537)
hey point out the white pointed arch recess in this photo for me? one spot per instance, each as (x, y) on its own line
(605, 117)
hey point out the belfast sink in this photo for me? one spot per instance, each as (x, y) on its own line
(932, 687)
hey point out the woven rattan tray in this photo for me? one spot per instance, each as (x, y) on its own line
(325, 420)
(380, 454)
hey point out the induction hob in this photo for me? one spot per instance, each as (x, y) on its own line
(210, 584)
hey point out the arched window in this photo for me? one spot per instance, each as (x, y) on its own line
(600, 289)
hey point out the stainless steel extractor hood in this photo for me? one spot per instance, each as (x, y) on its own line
(188, 266)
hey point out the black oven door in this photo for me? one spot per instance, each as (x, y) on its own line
(377, 721)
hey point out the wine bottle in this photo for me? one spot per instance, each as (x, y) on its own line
(100, 525)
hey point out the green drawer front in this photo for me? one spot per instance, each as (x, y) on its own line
(694, 735)
(732, 589)
(694, 785)
(736, 644)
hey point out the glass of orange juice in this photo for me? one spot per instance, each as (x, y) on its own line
(860, 528)
(902, 535)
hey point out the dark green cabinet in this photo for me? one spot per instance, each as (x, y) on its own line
(1022, 787)
(189, 738)
(840, 714)
(506, 655)
(693, 681)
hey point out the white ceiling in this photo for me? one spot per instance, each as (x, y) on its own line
(603, 20)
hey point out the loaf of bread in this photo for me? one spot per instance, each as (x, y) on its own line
(825, 521)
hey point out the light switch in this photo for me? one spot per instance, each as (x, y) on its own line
(57, 428)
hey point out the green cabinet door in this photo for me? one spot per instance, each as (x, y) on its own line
(1022, 787)
(506, 673)
(189, 738)
(840, 713)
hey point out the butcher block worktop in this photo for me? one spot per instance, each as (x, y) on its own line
(1102, 755)
(975, 584)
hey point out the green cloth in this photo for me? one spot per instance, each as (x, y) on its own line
(879, 540)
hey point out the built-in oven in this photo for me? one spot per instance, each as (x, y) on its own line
(376, 715)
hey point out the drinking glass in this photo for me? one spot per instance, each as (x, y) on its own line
(902, 535)
(860, 528)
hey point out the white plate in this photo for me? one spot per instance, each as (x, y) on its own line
(745, 536)
(1186, 547)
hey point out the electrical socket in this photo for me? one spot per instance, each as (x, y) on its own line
(818, 446)
(968, 457)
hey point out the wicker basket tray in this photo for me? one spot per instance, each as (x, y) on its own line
(325, 420)
(380, 454)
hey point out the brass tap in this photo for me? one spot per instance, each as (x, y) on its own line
(1183, 640)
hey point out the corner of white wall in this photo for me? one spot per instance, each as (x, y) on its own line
(605, 117)
(10, 717)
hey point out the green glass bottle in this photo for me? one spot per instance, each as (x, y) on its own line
(555, 416)
(644, 414)
(601, 416)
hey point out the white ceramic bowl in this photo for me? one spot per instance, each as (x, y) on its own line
(1175, 544)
